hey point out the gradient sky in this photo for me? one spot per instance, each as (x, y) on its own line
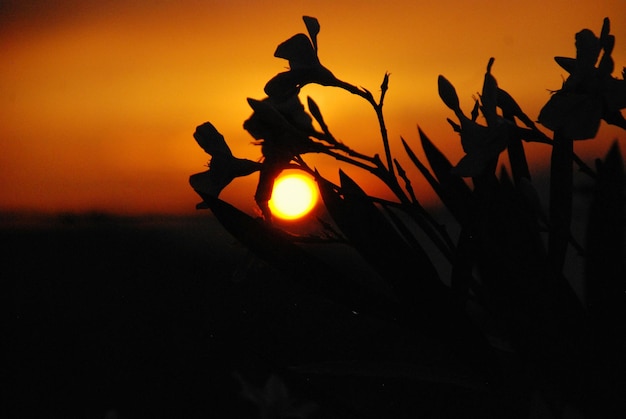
(99, 100)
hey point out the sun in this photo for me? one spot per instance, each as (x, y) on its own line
(294, 195)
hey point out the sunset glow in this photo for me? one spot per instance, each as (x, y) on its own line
(98, 101)
(294, 196)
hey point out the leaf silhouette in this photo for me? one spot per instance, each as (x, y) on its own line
(427, 303)
(317, 114)
(313, 27)
(278, 249)
(489, 96)
(456, 193)
(536, 305)
(511, 109)
(448, 94)
(605, 268)
(366, 228)
(568, 64)
(449, 198)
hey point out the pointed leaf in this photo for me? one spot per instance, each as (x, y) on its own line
(474, 113)
(457, 191)
(420, 166)
(375, 237)
(429, 304)
(455, 206)
(517, 158)
(568, 64)
(409, 271)
(313, 27)
(448, 94)
(317, 114)
(456, 127)
(489, 96)
(605, 31)
(510, 108)
(276, 248)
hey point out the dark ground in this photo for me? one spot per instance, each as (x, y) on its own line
(108, 313)
(133, 318)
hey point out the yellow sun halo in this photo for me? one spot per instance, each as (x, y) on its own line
(293, 196)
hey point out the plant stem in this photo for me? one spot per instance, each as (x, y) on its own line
(560, 214)
(517, 156)
(378, 108)
(383, 132)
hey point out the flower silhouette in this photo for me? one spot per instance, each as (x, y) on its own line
(283, 129)
(590, 93)
(223, 167)
(304, 65)
(483, 144)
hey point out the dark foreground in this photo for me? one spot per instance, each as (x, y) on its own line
(170, 318)
(109, 314)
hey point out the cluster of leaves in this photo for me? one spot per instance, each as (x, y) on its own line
(568, 351)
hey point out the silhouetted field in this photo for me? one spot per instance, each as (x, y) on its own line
(159, 317)
(150, 318)
(112, 313)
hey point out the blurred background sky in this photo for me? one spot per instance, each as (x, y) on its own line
(99, 99)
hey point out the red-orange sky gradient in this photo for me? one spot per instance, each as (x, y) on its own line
(99, 100)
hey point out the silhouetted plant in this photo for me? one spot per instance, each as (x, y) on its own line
(505, 286)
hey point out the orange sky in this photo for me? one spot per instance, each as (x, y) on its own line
(98, 102)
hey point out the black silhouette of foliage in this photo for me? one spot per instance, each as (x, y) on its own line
(506, 335)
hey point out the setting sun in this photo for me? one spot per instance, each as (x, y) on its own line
(294, 195)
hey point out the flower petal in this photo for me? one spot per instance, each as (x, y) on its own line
(313, 27)
(577, 116)
(221, 173)
(208, 183)
(587, 49)
(486, 145)
(284, 84)
(211, 140)
(298, 51)
(473, 135)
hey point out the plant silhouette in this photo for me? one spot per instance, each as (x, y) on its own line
(515, 333)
